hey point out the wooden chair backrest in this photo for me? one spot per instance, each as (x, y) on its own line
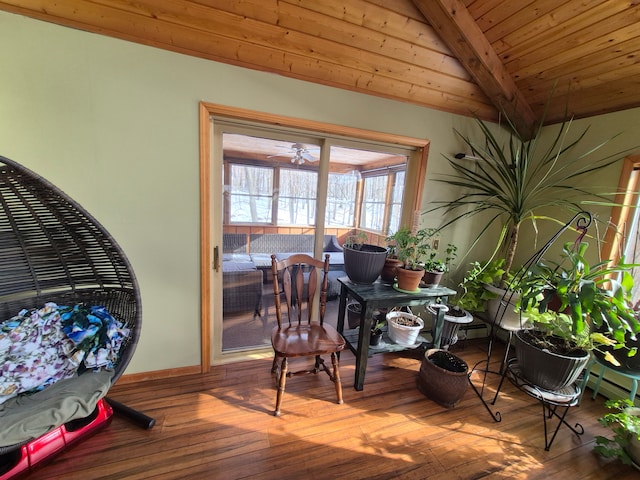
(291, 273)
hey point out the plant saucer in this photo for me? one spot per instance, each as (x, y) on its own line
(395, 287)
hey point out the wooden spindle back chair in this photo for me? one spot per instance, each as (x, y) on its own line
(301, 330)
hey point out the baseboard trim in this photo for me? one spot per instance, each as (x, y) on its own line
(158, 374)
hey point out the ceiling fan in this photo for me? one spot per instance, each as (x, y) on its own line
(299, 154)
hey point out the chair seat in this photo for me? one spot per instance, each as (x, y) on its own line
(304, 340)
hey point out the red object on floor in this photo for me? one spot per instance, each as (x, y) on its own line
(45, 447)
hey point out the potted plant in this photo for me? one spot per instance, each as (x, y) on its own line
(454, 316)
(575, 308)
(443, 377)
(376, 333)
(391, 263)
(512, 179)
(410, 248)
(435, 268)
(625, 424)
(363, 262)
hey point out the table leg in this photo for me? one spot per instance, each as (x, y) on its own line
(341, 309)
(366, 320)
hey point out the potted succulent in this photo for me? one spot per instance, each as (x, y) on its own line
(363, 262)
(625, 424)
(410, 248)
(575, 308)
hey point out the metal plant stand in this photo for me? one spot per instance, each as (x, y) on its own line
(550, 400)
(554, 404)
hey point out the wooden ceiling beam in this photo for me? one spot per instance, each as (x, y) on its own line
(458, 29)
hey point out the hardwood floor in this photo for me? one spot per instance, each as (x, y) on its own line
(220, 425)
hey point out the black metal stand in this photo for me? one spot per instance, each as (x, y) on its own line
(582, 221)
(135, 416)
(554, 404)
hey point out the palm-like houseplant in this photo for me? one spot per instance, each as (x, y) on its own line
(518, 180)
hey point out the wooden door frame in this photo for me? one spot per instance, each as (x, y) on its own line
(416, 172)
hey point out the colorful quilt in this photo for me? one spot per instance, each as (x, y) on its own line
(42, 346)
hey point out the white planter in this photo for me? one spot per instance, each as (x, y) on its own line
(503, 309)
(403, 334)
(633, 448)
(451, 326)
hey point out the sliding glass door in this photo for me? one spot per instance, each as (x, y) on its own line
(275, 190)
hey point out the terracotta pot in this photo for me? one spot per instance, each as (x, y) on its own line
(409, 280)
(389, 270)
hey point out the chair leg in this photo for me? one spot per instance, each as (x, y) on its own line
(336, 377)
(281, 384)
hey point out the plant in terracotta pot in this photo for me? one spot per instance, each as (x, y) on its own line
(624, 422)
(391, 263)
(410, 248)
(575, 308)
(363, 261)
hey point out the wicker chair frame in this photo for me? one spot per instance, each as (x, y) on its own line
(52, 249)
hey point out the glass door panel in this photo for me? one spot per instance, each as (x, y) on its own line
(271, 196)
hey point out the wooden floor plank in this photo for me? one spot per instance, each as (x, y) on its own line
(220, 425)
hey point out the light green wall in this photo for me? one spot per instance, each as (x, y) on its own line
(115, 125)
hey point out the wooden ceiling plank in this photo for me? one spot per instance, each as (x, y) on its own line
(185, 40)
(401, 7)
(478, 8)
(458, 29)
(365, 14)
(499, 14)
(528, 21)
(318, 25)
(262, 10)
(285, 40)
(572, 30)
(596, 77)
(595, 100)
(570, 61)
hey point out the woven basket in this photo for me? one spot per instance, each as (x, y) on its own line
(403, 334)
(443, 377)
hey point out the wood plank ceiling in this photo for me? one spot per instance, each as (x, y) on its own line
(463, 56)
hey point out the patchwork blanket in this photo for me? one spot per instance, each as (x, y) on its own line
(43, 346)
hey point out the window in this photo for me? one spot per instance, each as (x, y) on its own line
(251, 194)
(622, 239)
(341, 193)
(297, 197)
(374, 203)
(275, 182)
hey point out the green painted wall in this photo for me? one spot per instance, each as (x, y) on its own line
(115, 125)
